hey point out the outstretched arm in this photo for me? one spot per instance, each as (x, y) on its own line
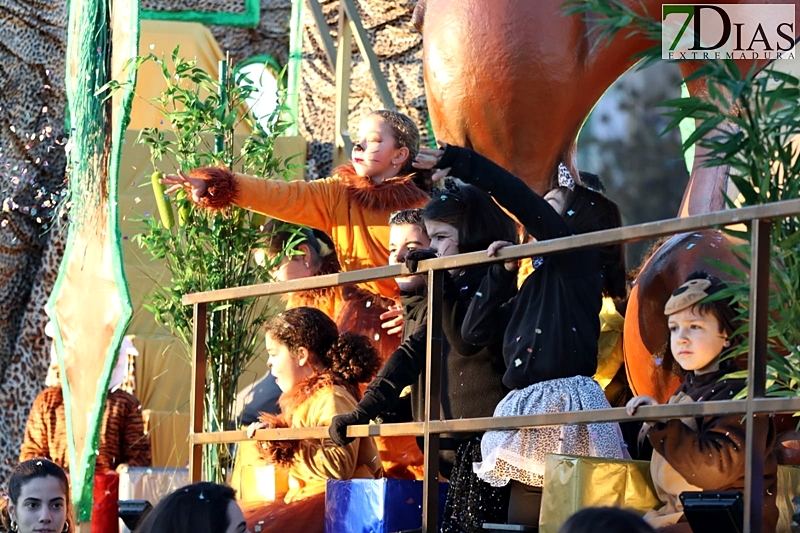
(299, 202)
(530, 209)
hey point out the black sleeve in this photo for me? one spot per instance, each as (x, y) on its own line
(530, 209)
(401, 369)
(490, 310)
(455, 304)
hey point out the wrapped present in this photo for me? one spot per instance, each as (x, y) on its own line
(788, 488)
(375, 505)
(574, 482)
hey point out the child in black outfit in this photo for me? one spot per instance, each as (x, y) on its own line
(549, 330)
(457, 219)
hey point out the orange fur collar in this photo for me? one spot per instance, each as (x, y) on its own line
(392, 194)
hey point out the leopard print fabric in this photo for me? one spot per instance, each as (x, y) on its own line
(25, 375)
(271, 36)
(32, 163)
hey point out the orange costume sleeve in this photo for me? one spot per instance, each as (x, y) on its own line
(360, 234)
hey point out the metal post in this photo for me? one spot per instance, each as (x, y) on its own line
(341, 144)
(197, 392)
(756, 435)
(433, 401)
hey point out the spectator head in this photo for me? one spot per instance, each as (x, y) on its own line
(198, 508)
(407, 233)
(303, 342)
(461, 218)
(701, 325)
(37, 499)
(306, 251)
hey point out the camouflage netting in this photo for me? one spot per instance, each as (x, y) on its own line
(217, 6)
(32, 162)
(399, 50)
(270, 37)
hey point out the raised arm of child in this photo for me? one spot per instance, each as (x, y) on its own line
(530, 209)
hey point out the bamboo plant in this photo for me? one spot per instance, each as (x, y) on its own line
(205, 250)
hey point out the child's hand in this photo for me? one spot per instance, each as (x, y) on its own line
(255, 426)
(196, 188)
(512, 264)
(394, 320)
(428, 158)
(638, 401)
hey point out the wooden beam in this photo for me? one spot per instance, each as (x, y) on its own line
(324, 33)
(365, 47)
(198, 391)
(342, 146)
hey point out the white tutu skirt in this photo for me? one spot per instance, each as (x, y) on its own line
(521, 454)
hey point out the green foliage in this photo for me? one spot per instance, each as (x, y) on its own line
(753, 140)
(606, 19)
(209, 250)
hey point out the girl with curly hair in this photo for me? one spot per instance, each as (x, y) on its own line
(319, 370)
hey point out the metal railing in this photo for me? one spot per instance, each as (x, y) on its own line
(759, 218)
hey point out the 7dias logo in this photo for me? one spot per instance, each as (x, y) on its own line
(725, 31)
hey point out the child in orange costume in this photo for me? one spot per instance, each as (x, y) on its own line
(318, 371)
(352, 206)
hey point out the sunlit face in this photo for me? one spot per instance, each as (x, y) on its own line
(404, 238)
(375, 152)
(557, 198)
(695, 339)
(444, 238)
(41, 506)
(284, 365)
(292, 267)
(236, 522)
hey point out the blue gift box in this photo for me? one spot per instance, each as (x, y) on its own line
(375, 505)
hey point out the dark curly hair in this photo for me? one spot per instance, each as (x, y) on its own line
(347, 357)
(27, 471)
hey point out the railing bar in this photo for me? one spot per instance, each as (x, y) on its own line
(657, 412)
(433, 402)
(626, 234)
(197, 391)
(756, 435)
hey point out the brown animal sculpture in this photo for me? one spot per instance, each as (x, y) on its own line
(514, 80)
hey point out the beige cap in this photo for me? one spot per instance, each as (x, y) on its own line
(687, 295)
